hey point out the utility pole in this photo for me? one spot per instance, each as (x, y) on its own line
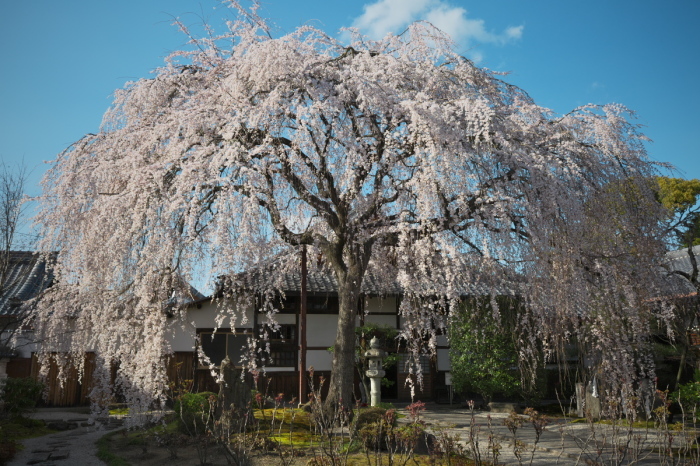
(302, 329)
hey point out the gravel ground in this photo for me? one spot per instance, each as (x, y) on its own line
(561, 443)
(75, 446)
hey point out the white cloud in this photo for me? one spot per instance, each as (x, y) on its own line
(515, 32)
(385, 16)
(454, 22)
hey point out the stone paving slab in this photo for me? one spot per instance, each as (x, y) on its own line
(562, 442)
(65, 448)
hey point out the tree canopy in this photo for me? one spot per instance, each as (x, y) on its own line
(397, 156)
(682, 198)
(483, 356)
(12, 219)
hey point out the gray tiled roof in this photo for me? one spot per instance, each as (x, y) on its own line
(26, 276)
(680, 261)
(323, 282)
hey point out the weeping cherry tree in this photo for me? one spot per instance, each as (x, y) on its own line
(395, 157)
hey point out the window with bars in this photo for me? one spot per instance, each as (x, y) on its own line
(283, 346)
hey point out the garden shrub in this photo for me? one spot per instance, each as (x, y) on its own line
(368, 416)
(482, 353)
(688, 394)
(195, 412)
(374, 427)
(21, 395)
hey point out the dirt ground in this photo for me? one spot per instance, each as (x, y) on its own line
(187, 454)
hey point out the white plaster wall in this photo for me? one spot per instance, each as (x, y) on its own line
(321, 360)
(389, 320)
(183, 339)
(443, 360)
(25, 344)
(321, 329)
(385, 305)
(205, 317)
(283, 318)
(280, 369)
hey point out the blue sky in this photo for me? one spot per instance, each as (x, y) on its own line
(62, 60)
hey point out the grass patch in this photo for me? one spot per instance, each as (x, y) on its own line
(360, 459)
(20, 428)
(626, 423)
(296, 421)
(299, 417)
(119, 412)
(119, 448)
(578, 420)
(104, 451)
(297, 439)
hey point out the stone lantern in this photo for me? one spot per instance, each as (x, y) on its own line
(375, 372)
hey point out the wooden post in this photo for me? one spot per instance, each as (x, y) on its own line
(302, 330)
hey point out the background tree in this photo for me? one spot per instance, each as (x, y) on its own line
(12, 203)
(397, 156)
(682, 199)
(483, 355)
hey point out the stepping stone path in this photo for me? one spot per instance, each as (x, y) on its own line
(74, 444)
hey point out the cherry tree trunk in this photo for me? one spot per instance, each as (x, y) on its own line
(340, 391)
(342, 383)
